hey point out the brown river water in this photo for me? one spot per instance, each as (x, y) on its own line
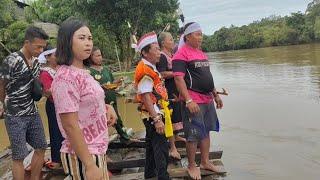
(270, 123)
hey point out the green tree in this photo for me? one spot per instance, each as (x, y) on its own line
(317, 28)
(11, 29)
(271, 31)
(6, 13)
(109, 20)
(143, 15)
(51, 11)
(296, 21)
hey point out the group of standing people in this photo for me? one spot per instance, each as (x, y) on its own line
(80, 111)
(189, 87)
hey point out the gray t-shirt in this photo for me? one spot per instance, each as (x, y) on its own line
(18, 100)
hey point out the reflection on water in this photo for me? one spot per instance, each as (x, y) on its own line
(270, 122)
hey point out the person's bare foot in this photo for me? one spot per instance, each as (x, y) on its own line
(210, 167)
(194, 172)
(174, 154)
(179, 138)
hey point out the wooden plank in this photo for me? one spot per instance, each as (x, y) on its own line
(5, 153)
(176, 173)
(139, 175)
(212, 155)
(182, 172)
(121, 145)
(132, 163)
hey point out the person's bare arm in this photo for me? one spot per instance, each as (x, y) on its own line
(217, 99)
(167, 74)
(147, 101)
(75, 135)
(2, 96)
(111, 115)
(47, 93)
(2, 89)
(182, 88)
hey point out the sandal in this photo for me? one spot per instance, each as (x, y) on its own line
(52, 165)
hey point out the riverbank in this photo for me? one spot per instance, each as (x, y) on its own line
(263, 47)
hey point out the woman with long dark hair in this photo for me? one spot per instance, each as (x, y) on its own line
(80, 107)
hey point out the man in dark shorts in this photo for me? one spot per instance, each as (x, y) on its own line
(22, 119)
(194, 80)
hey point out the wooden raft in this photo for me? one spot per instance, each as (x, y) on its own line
(132, 167)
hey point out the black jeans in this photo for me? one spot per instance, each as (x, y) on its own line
(157, 152)
(54, 132)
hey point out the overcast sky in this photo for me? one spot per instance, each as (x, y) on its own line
(214, 14)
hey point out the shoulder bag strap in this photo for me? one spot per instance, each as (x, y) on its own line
(25, 61)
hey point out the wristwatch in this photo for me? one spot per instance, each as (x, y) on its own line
(156, 119)
(189, 101)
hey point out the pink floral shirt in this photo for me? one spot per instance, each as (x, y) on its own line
(75, 90)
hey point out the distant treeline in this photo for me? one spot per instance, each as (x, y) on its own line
(297, 28)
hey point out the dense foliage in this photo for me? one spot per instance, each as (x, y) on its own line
(108, 21)
(297, 28)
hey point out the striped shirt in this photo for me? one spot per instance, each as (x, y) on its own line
(15, 72)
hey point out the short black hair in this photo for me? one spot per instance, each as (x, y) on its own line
(145, 49)
(64, 52)
(33, 32)
(184, 29)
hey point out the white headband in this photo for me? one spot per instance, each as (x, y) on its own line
(145, 41)
(190, 29)
(42, 57)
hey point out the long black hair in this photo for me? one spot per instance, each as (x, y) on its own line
(64, 52)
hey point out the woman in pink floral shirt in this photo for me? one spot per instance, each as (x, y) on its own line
(80, 107)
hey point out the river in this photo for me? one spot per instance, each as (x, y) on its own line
(270, 123)
(271, 119)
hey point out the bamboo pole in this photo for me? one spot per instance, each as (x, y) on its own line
(118, 57)
(5, 47)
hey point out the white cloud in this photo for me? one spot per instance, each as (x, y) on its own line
(213, 14)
